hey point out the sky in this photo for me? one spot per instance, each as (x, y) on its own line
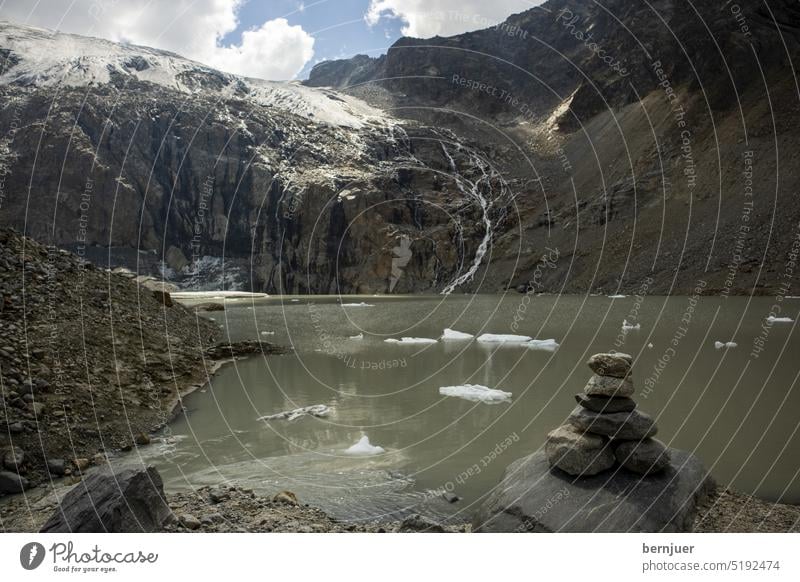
(269, 39)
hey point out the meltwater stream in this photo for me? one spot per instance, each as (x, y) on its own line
(738, 412)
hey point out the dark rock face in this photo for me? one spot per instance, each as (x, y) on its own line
(300, 190)
(535, 498)
(131, 500)
(575, 116)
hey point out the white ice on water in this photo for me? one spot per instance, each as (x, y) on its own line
(475, 393)
(773, 319)
(363, 447)
(499, 338)
(548, 345)
(453, 335)
(617, 296)
(357, 337)
(267, 333)
(410, 340)
(726, 345)
(362, 304)
(630, 326)
(317, 410)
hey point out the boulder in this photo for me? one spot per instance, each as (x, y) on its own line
(286, 497)
(12, 483)
(56, 467)
(643, 457)
(605, 404)
(130, 500)
(577, 453)
(533, 497)
(615, 365)
(634, 425)
(163, 297)
(418, 524)
(13, 459)
(142, 439)
(609, 386)
(81, 464)
(189, 521)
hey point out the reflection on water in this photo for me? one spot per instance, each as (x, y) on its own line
(737, 411)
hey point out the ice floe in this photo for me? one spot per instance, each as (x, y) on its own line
(475, 393)
(317, 410)
(726, 345)
(267, 333)
(630, 326)
(453, 335)
(357, 337)
(773, 319)
(547, 345)
(411, 340)
(495, 338)
(617, 296)
(363, 447)
(362, 304)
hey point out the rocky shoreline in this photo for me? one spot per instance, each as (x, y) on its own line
(91, 362)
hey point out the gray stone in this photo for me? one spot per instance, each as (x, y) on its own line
(578, 453)
(643, 457)
(13, 459)
(130, 500)
(533, 497)
(56, 467)
(609, 386)
(605, 404)
(189, 521)
(418, 524)
(634, 425)
(12, 483)
(615, 365)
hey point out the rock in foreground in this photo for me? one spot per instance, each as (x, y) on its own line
(130, 500)
(532, 497)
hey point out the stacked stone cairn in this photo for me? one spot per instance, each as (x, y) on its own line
(606, 429)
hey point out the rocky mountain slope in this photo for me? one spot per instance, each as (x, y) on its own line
(136, 157)
(89, 360)
(579, 146)
(652, 139)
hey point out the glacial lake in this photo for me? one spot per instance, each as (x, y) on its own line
(738, 408)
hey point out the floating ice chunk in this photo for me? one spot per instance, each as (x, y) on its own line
(411, 340)
(475, 393)
(617, 296)
(773, 319)
(362, 304)
(267, 333)
(318, 410)
(363, 447)
(357, 337)
(453, 335)
(650, 345)
(295, 301)
(726, 345)
(548, 345)
(494, 338)
(630, 326)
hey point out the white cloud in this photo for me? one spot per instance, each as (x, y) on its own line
(427, 18)
(192, 28)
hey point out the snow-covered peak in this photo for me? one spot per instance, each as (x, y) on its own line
(44, 58)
